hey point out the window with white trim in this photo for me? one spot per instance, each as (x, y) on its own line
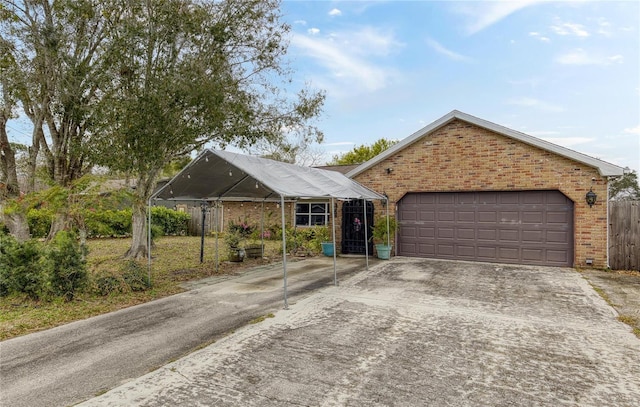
(312, 214)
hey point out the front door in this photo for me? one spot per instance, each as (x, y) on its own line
(353, 232)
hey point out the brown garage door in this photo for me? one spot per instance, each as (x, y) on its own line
(523, 227)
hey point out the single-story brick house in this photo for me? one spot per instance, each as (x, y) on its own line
(465, 188)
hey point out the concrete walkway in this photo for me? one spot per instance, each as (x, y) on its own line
(413, 332)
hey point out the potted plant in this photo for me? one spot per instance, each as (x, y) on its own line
(322, 236)
(254, 248)
(232, 239)
(382, 234)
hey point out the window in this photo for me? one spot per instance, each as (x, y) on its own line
(312, 214)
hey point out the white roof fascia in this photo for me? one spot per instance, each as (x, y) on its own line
(604, 168)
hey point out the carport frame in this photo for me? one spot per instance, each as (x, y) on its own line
(274, 181)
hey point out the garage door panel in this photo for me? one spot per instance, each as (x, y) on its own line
(533, 254)
(466, 234)
(487, 234)
(533, 236)
(487, 253)
(468, 252)
(423, 198)
(508, 253)
(535, 217)
(506, 199)
(445, 232)
(445, 250)
(509, 217)
(528, 227)
(446, 216)
(408, 215)
(466, 216)
(509, 235)
(445, 199)
(408, 232)
(560, 257)
(487, 216)
(427, 232)
(556, 236)
(427, 216)
(427, 249)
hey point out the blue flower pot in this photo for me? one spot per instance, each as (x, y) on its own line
(327, 248)
(384, 251)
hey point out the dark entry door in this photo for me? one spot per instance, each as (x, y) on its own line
(353, 236)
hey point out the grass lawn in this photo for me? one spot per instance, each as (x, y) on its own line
(175, 259)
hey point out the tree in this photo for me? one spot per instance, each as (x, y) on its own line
(363, 153)
(186, 73)
(57, 48)
(293, 150)
(625, 187)
(16, 221)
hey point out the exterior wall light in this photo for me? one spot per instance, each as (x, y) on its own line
(591, 197)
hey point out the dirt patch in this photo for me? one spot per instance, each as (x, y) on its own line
(621, 289)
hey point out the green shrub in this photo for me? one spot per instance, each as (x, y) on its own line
(21, 268)
(66, 266)
(135, 276)
(173, 223)
(108, 283)
(39, 221)
(108, 222)
(131, 276)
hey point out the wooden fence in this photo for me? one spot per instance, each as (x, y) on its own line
(624, 235)
(212, 223)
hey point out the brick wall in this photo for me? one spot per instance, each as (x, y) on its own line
(462, 157)
(252, 213)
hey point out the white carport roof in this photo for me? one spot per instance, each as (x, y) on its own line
(226, 176)
(223, 176)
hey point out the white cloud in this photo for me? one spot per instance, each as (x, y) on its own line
(447, 52)
(633, 130)
(348, 58)
(335, 12)
(485, 14)
(539, 36)
(313, 31)
(603, 27)
(535, 103)
(300, 22)
(561, 28)
(579, 56)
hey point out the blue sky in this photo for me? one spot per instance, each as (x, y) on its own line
(567, 72)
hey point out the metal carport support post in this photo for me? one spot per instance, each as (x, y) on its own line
(333, 232)
(284, 251)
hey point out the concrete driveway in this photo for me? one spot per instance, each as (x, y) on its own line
(413, 332)
(73, 362)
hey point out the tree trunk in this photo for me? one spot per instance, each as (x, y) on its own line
(138, 249)
(61, 221)
(144, 189)
(16, 221)
(17, 225)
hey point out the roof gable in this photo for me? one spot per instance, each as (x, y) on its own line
(605, 169)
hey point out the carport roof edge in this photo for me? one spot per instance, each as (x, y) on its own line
(223, 175)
